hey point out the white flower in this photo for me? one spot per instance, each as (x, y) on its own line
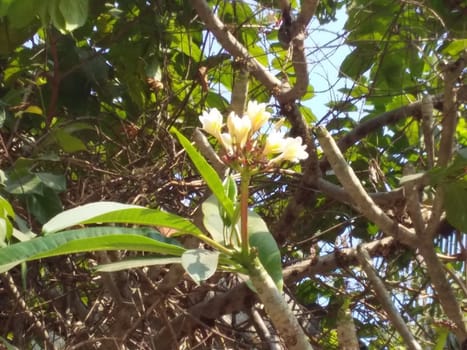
(257, 114)
(274, 143)
(293, 151)
(226, 141)
(239, 129)
(212, 122)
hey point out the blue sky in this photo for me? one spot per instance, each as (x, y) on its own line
(328, 50)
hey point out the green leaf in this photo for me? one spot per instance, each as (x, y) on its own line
(113, 212)
(44, 206)
(54, 182)
(455, 194)
(80, 214)
(200, 264)
(268, 251)
(27, 184)
(22, 12)
(6, 208)
(68, 142)
(75, 13)
(136, 263)
(56, 15)
(212, 220)
(7, 345)
(85, 240)
(208, 173)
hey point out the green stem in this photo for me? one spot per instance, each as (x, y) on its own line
(244, 194)
(214, 244)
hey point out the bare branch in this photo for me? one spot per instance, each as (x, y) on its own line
(328, 263)
(360, 198)
(298, 35)
(443, 288)
(382, 199)
(413, 201)
(232, 45)
(449, 122)
(387, 118)
(385, 299)
(304, 193)
(206, 150)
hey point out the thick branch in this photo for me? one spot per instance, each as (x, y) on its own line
(343, 258)
(443, 288)
(387, 118)
(382, 199)
(232, 45)
(385, 299)
(449, 122)
(360, 198)
(298, 34)
(304, 194)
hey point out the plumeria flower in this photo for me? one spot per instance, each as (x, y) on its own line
(293, 151)
(257, 114)
(226, 140)
(274, 143)
(239, 129)
(212, 122)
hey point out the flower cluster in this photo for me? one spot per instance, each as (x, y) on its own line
(243, 141)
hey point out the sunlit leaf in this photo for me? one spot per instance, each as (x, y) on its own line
(75, 13)
(85, 240)
(113, 212)
(200, 264)
(268, 251)
(208, 173)
(137, 263)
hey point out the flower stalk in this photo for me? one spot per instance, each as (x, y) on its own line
(244, 195)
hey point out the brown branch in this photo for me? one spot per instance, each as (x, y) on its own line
(360, 198)
(385, 299)
(298, 35)
(449, 121)
(238, 299)
(232, 45)
(382, 199)
(283, 92)
(412, 196)
(241, 298)
(448, 124)
(342, 258)
(443, 288)
(304, 194)
(388, 118)
(56, 78)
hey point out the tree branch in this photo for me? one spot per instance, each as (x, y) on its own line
(387, 118)
(385, 299)
(360, 198)
(448, 124)
(232, 45)
(298, 35)
(443, 288)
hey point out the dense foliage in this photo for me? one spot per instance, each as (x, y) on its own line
(89, 92)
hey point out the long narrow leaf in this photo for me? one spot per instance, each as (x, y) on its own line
(208, 173)
(137, 262)
(80, 214)
(84, 240)
(113, 212)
